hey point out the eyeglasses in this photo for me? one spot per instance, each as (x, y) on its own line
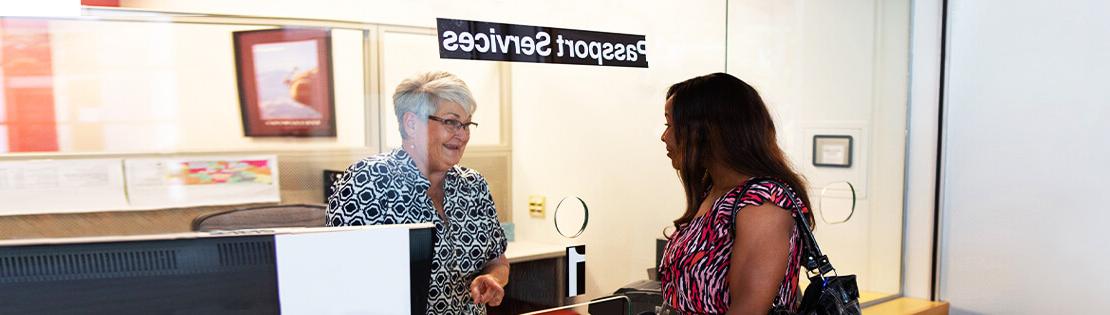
(454, 124)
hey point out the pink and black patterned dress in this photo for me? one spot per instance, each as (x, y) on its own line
(695, 265)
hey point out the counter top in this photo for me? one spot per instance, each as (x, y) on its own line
(193, 235)
(518, 251)
(521, 251)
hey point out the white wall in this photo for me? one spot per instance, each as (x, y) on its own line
(837, 67)
(593, 132)
(1025, 166)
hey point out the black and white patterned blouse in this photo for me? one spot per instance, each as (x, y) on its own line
(388, 189)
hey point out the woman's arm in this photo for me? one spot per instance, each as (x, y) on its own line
(489, 287)
(498, 269)
(759, 256)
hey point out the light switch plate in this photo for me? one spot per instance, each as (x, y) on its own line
(536, 206)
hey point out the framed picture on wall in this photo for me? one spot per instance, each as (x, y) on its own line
(285, 82)
(832, 151)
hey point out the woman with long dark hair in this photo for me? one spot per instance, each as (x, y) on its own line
(735, 249)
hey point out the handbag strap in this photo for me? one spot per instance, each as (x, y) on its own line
(813, 259)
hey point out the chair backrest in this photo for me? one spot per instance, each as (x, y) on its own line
(292, 215)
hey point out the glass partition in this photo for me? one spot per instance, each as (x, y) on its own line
(150, 84)
(571, 154)
(830, 72)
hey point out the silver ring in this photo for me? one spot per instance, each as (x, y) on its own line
(585, 219)
(821, 204)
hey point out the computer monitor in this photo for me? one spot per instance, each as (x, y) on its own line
(189, 273)
(421, 251)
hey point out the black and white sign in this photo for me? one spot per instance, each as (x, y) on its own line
(576, 270)
(476, 40)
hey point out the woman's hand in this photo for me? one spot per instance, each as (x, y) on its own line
(485, 289)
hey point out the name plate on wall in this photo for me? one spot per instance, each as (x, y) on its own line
(477, 40)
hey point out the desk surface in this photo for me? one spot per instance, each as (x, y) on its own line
(518, 251)
(904, 306)
(192, 235)
(521, 251)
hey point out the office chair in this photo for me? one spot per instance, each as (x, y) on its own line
(291, 215)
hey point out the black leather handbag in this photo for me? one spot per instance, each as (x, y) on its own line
(827, 293)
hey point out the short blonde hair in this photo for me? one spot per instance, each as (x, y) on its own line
(422, 93)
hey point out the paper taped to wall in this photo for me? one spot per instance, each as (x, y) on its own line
(51, 186)
(197, 181)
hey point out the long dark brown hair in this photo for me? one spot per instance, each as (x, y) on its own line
(718, 117)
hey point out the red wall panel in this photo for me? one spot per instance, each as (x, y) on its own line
(101, 3)
(28, 85)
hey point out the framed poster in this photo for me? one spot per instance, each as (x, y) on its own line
(285, 82)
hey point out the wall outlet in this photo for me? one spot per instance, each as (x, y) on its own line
(536, 206)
